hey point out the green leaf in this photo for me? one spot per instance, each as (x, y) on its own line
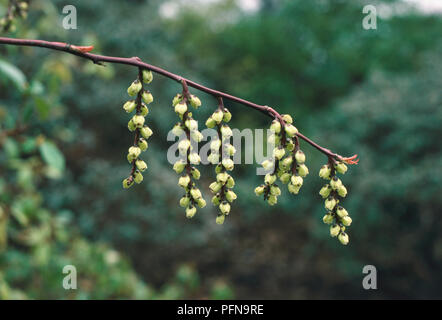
(53, 158)
(11, 72)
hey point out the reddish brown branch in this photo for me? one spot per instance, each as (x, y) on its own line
(83, 52)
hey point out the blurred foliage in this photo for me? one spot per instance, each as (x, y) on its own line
(63, 142)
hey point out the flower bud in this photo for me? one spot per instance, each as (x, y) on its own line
(144, 110)
(177, 99)
(129, 106)
(178, 130)
(325, 191)
(343, 238)
(194, 158)
(196, 136)
(146, 132)
(184, 181)
(296, 181)
(138, 121)
(346, 221)
(285, 178)
(147, 76)
(268, 165)
(131, 125)
(342, 191)
(222, 177)
(215, 145)
(127, 183)
(228, 164)
(293, 189)
(274, 190)
(275, 126)
(291, 130)
(191, 124)
(335, 183)
(141, 165)
(195, 102)
(224, 207)
(278, 153)
(134, 152)
(215, 200)
(287, 162)
(325, 171)
(147, 97)
(230, 150)
(341, 212)
(269, 178)
(226, 132)
(179, 166)
(190, 211)
(259, 190)
(134, 88)
(183, 146)
(213, 158)
(272, 200)
(201, 202)
(287, 118)
(195, 193)
(327, 219)
(290, 145)
(195, 173)
(231, 196)
(273, 139)
(302, 170)
(215, 187)
(181, 108)
(230, 182)
(330, 203)
(138, 177)
(334, 230)
(142, 143)
(341, 167)
(226, 115)
(300, 156)
(210, 123)
(184, 201)
(220, 219)
(218, 116)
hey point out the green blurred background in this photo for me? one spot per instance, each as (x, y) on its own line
(376, 93)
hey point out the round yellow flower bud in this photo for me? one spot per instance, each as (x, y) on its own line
(220, 219)
(231, 196)
(218, 116)
(210, 123)
(227, 116)
(134, 88)
(147, 97)
(300, 156)
(138, 121)
(147, 76)
(141, 165)
(190, 211)
(194, 101)
(269, 178)
(184, 181)
(224, 207)
(334, 230)
(181, 108)
(129, 106)
(343, 238)
(259, 190)
(287, 118)
(184, 201)
(138, 177)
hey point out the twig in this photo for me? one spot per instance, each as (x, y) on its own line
(84, 52)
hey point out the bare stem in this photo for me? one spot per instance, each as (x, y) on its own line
(83, 52)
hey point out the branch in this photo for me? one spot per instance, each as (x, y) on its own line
(84, 52)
